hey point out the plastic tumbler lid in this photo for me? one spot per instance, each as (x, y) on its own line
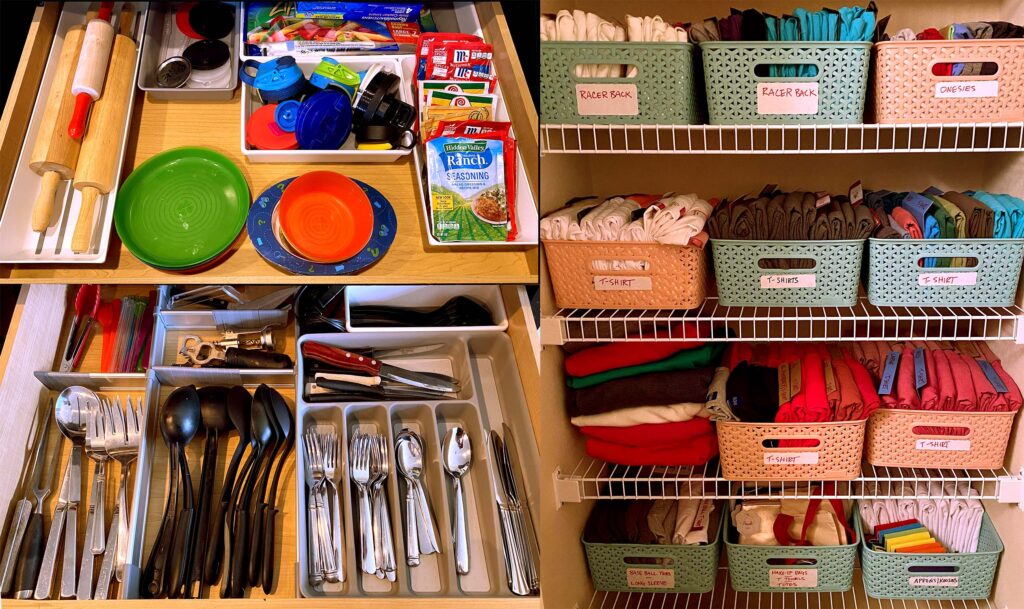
(263, 133)
(286, 114)
(324, 121)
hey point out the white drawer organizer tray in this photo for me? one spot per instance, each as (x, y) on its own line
(491, 395)
(424, 297)
(19, 244)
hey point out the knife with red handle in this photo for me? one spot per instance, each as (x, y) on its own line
(354, 362)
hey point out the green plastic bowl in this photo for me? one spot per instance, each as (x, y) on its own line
(182, 208)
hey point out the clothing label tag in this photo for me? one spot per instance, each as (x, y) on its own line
(917, 205)
(607, 99)
(823, 199)
(889, 373)
(769, 282)
(784, 395)
(791, 458)
(946, 581)
(796, 375)
(947, 279)
(955, 445)
(993, 376)
(977, 88)
(830, 377)
(607, 283)
(793, 578)
(856, 193)
(920, 369)
(787, 98)
(637, 577)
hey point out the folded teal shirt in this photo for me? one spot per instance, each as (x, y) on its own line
(1009, 214)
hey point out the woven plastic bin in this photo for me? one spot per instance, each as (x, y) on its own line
(653, 567)
(663, 91)
(837, 456)
(758, 568)
(675, 276)
(969, 440)
(832, 282)
(736, 95)
(927, 576)
(896, 279)
(906, 90)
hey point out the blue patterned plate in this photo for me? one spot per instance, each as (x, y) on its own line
(261, 232)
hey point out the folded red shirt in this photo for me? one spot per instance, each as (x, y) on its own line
(696, 451)
(659, 434)
(624, 354)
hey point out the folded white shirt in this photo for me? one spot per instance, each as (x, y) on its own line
(640, 415)
(605, 222)
(564, 225)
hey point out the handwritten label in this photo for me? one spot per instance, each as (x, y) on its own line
(920, 369)
(791, 458)
(976, 88)
(993, 376)
(793, 578)
(769, 282)
(956, 445)
(787, 98)
(604, 283)
(892, 360)
(944, 279)
(945, 581)
(637, 577)
(608, 100)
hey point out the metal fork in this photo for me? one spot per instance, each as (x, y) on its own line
(95, 528)
(123, 444)
(316, 567)
(323, 558)
(331, 449)
(387, 543)
(361, 476)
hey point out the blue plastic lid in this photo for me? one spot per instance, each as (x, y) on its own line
(286, 114)
(324, 121)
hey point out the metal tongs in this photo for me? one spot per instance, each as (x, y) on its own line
(87, 304)
(377, 373)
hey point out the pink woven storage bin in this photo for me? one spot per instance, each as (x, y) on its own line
(675, 276)
(891, 440)
(906, 91)
(836, 457)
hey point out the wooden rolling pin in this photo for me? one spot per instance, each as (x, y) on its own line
(55, 153)
(97, 167)
(87, 84)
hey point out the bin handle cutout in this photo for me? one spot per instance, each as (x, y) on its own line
(664, 561)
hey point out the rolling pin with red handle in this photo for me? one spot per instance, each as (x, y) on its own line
(98, 161)
(92, 68)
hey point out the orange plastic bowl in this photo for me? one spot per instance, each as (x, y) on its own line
(325, 216)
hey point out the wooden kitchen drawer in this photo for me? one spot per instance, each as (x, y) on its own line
(160, 125)
(153, 387)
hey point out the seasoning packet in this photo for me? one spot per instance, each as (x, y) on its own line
(433, 114)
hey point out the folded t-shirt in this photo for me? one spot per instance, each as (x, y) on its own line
(631, 353)
(651, 389)
(695, 451)
(700, 357)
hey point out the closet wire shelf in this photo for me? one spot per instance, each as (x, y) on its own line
(724, 597)
(595, 479)
(863, 321)
(781, 139)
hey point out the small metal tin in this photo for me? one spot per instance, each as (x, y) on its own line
(173, 72)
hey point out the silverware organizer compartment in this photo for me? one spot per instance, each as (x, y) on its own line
(106, 386)
(151, 486)
(170, 326)
(491, 395)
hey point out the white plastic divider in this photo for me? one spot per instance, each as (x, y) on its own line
(424, 297)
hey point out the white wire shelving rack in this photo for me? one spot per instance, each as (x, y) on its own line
(863, 321)
(724, 597)
(781, 139)
(595, 479)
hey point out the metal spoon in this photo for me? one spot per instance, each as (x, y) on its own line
(239, 406)
(410, 455)
(456, 456)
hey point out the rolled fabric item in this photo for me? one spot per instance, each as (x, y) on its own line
(792, 206)
(611, 356)
(1013, 396)
(854, 350)
(605, 222)
(700, 357)
(742, 220)
(663, 434)
(661, 519)
(634, 28)
(752, 392)
(547, 25)
(564, 224)
(850, 406)
(864, 222)
(717, 404)
(901, 232)
(905, 220)
(873, 513)
(836, 220)
(566, 26)
(642, 415)
(759, 210)
(778, 229)
(697, 451)
(808, 204)
(651, 389)
(905, 34)
(979, 218)
(849, 218)
(718, 224)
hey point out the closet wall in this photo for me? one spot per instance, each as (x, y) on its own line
(718, 175)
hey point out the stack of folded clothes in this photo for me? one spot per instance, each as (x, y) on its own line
(791, 216)
(971, 30)
(786, 522)
(669, 219)
(951, 512)
(648, 403)
(662, 521)
(580, 25)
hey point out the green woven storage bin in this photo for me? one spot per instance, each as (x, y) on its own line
(750, 571)
(664, 84)
(835, 275)
(732, 86)
(689, 569)
(895, 279)
(888, 574)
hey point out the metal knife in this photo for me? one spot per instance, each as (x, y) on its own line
(515, 567)
(346, 360)
(531, 547)
(44, 586)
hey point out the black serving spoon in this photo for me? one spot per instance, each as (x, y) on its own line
(239, 405)
(258, 501)
(286, 423)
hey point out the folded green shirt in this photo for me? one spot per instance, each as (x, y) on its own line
(701, 357)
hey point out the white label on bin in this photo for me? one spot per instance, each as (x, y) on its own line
(637, 577)
(939, 279)
(943, 445)
(769, 282)
(610, 100)
(974, 88)
(787, 98)
(808, 458)
(945, 581)
(793, 578)
(614, 283)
